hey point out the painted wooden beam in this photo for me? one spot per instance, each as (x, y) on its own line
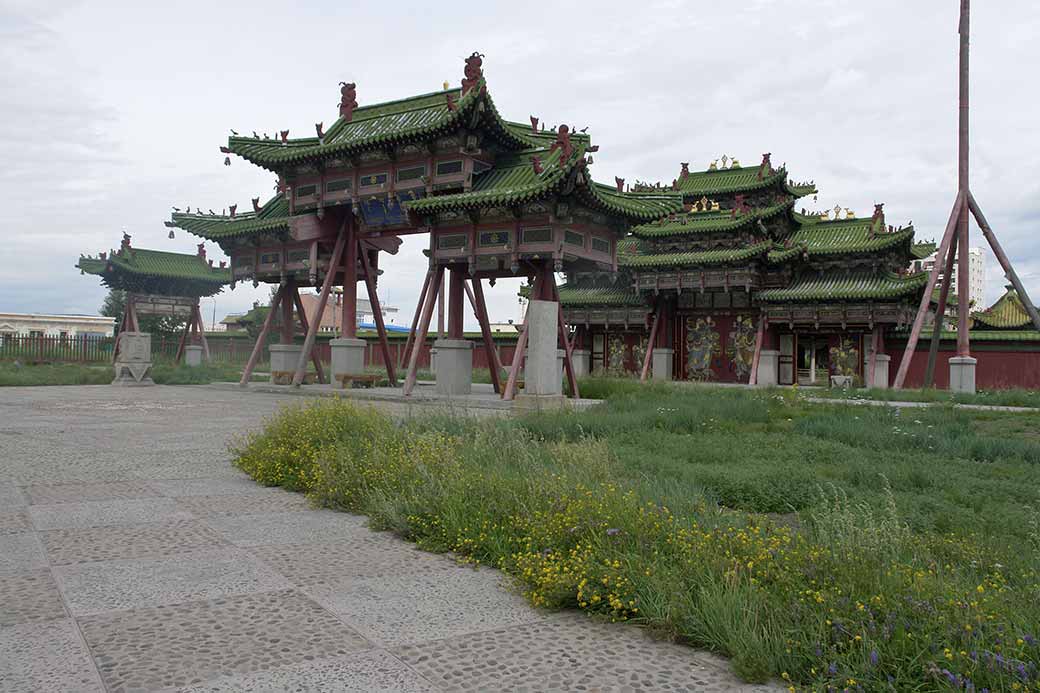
(305, 326)
(760, 336)
(247, 372)
(415, 319)
(377, 315)
(650, 342)
(940, 317)
(480, 309)
(326, 288)
(424, 328)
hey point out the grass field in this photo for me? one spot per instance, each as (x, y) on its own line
(829, 546)
(95, 374)
(1004, 398)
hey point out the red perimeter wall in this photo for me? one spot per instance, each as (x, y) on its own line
(1001, 365)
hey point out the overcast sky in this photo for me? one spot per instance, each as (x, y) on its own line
(112, 112)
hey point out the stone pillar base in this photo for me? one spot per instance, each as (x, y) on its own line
(284, 358)
(768, 368)
(193, 356)
(661, 363)
(348, 358)
(454, 367)
(881, 362)
(133, 364)
(543, 366)
(580, 362)
(962, 374)
(526, 402)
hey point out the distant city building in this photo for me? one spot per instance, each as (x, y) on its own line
(976, 274)
(47, 325)
(504, 327)
(330, 319)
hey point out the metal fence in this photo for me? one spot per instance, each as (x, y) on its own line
(85, 348)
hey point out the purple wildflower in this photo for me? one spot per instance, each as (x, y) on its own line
(833, 668)
(613, 532)
(1022, 672)
(1030, 640)
(873, 658)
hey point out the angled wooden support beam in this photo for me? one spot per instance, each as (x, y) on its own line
(262, 337)
(926, 298)
(202, 333)
(480, 309)
(415, 319)
(760, 336)
(377, 315)
(183, 342)
(521, 343)
(648, 357)
(305, 326)
(1005, 263)
(326, 288)
(875, 344)
(424, 328)
(940, 317)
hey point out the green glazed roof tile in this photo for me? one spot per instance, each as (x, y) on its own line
(984, 335)
(691, 223)
(841, 237)
(837, 286)
(632, 254)
(1008, 312)
(157, 271)
(922, 250)
(618, 295)
(273, 217)
(381, 124)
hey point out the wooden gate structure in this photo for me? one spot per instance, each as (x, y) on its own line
(156, 282)
(497, 199)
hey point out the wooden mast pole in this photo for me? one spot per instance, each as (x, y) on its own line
(247, 372)
(202, 332)
(760, 337)
(377, 313)
(415, 320)
(1005, 263)
(940, 317)
(305, 326)
(521, 344)
(480, 308)
(648, 357)
(963, 283)
(326, 287)
(424, 327)
(568, 363)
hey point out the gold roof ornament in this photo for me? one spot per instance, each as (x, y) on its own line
(447, 85)
(714, 166)
(849, 214)
(837, 212)
(733, 163)
(724, 160)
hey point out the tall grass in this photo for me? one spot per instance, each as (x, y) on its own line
(845, 595)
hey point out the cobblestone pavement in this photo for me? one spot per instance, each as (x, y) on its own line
(134, 557)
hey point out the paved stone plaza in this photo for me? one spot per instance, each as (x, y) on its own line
(134, 557)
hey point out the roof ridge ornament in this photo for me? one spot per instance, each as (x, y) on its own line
(766, 167)
(685, 170)
(563, 143)
(347, 100)
(256, 205)
(534, 124)
(473, 72)
(620, 183)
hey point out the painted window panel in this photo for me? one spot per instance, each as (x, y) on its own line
(454, 241)
(600, 245)
(574, 238)
(306, 191)
(299, 255)
(373, 179)
(539, 235)
(448, 168)
(340, 185)
(493, 238)
(270, 258)
(411, 173)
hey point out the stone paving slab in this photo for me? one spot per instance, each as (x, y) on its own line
(407, 609)
(22, 551)
(186, 644)
(103, 513)
(563, 653)
(29, 596)
(14, 521)
(361, 555)
(46, 656)
(238, 485)
(12, 496)
(44, 494)
(287, 528)
(262, 500)
(150, 540)
(92, 588)
(372, 671)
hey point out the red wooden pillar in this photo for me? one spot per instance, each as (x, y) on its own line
(350, 280)
(456, 293)
(288, 327)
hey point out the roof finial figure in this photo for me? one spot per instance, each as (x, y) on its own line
(563, 143)
(347, 100)
(126, 241)
(534, 124)
(472, 71)
(202, 250)
(450, 99)
(766, 167)
(256, 205)
(318, 129)
(536, 162)
(233, 208)
(620, 183)
(685, 170)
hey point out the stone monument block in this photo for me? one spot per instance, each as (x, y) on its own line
(133, 364)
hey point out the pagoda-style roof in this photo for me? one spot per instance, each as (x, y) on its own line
(514, 179)
(272, 218)
(156, 272)
(842, 237)
(1007, 313)
(712, 221)
(617, 295)
(385, 124)
(857, 285)
(631, 254)
(920, 251)
(738, 179)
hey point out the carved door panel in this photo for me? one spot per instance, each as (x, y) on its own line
(786, 374)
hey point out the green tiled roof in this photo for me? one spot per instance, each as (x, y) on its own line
(706, 222)
(382, 124)
(922, 250)
(272, 218)
(513, 180)
(157, 271)
(1008, 312)
(736, 180)
(849, 286)
(617, 295)
(841, 237)
(983, 335)
(633, 254)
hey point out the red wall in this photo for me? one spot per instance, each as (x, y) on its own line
(998, 368)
